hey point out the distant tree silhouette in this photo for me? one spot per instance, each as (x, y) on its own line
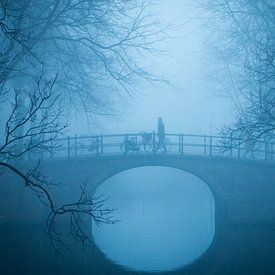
(246, 51)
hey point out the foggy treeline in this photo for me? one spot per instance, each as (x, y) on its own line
(242, 51)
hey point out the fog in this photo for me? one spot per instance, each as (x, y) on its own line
(191, 104)
(137, 137)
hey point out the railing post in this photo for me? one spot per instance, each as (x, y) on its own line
(181, 141)
(204, 145)
(97, 146)
(210, 146)
(69, 145)
(154, 142)
(101, 144)
(126, 139)
(136, 143)
(75, 145)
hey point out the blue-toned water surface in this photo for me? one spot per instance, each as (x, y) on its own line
(167, 219)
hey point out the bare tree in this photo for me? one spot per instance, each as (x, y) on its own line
(23, 137)
(94, 46)
(34, 121)
(85, 207)
(246, 55)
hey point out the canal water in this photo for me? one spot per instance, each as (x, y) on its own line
(166, 219)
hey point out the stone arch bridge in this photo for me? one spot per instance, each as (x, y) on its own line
(242, 180)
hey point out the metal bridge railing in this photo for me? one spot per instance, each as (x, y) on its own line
(148, 143)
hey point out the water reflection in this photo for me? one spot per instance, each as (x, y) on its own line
(167, 219)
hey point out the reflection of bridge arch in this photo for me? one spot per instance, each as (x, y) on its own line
(150, 198)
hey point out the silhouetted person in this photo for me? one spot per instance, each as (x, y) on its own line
(161, 135)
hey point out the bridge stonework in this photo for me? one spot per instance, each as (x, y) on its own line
(244, 190)
(244, 193)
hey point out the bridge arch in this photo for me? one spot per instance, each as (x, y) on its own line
(235, 184)
(205, 178)
(244, 194)
(168, 188)
(117, 165)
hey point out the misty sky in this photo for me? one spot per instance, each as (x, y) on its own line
(197, 108)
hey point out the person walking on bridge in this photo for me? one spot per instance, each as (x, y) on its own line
(161, 135)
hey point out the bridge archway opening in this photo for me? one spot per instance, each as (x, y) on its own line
(167, 219)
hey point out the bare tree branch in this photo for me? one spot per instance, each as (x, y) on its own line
(94, 45)
(86, 206)
(247, 47)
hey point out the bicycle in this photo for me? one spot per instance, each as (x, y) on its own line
(129, 145)
(147, 142)
(134, 145)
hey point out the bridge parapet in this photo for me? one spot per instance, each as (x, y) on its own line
(149, 143)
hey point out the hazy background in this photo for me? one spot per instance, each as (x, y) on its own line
(192, 104)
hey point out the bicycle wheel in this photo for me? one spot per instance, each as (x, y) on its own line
(148, 146)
